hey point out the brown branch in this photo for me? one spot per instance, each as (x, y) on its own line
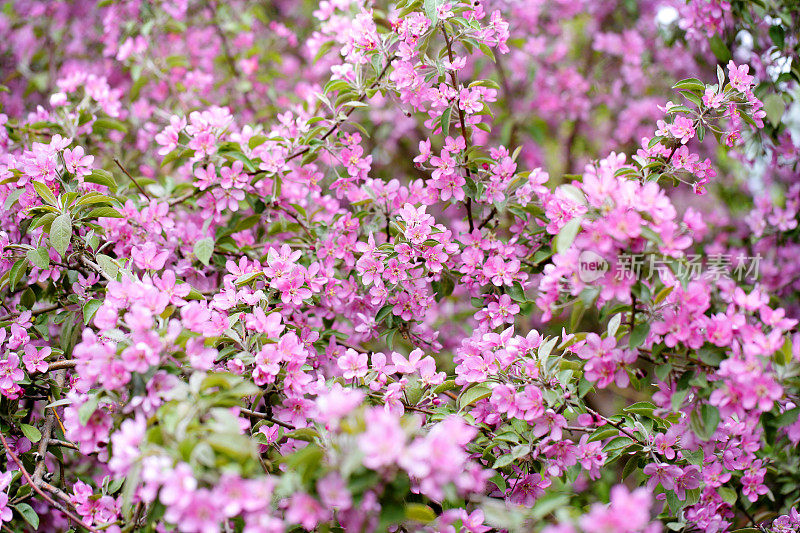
(279, 207)
(264, 416)
(64, 363)
(616, 425)
(462, 122)
(488, 219)
(64, 444)
(34, 312)
(47, 432)
(184, 197)
(40, 492)
(131, 178)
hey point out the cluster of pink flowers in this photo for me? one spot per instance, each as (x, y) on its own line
(328, 267)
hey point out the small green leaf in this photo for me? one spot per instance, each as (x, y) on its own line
(445, 121)
(102, 177)
(39, 257)
(33, 434)
(720, 49)
(383, 313)
(16, 273)
(516, 292)
(61, 233)
(567, 235)
(692, 84)
(639, 334)
(430, 7)
(104, 212)
(110, 124)
(108, 265)
(503, 460)
(203, 250)
(474, 394)
(86, 410)
(28, 514)
(420, 512)
(89, 309)
(94, 198)
(774, 107)
(778, 35)
(45, 193)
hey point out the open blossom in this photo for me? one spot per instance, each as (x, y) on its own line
(77, 162)
(353, 364)
(682, 129)
(34, 359)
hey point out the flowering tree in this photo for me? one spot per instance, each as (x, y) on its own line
(409, 266)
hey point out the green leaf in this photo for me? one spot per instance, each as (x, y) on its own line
(110, 124)
(631, 465)
(445, 121)
(516, 292)
(86, 410)
(445, 288)
(789, 417)
(503, 460)
(45, 193)
(778, 35)
(430, 7)
(108, 265)
(28, 514)
(39, 257)
(641, 408)
(33, 434)
(695, 457)
(639, 334)
(774, 107)
(94, 198)
(383, 313)
(705, 421)
(450, 384)
(203, 250)
(727, 494)
(473, 395)
(692, 84)
(613, 324)
(567, 235)
(16, 273)
(720, 49)
(12, 198)
(89, 310)
(104, 212)
(419, 512)
(61, 233)
(102, 177)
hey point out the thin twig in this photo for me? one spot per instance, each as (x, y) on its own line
(39, 491)
(47, 432)
(264, 416)
(462, 123)
(226, 49)
(184, 197)
(131, 178)
(488, 219)
(34, 312)
(616, 425)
